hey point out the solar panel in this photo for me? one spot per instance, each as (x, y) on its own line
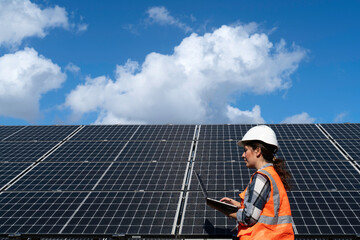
(352, 147)
(221, 176)
(309, 150)
(223, 132)
(218, 151)
(343, 131)
(87, 176)
(165, 132)
(324, 212)
(200, 219)
(42, 133)
(61, 176)
(105, 132)
(86, 151)
(283, 131)
(6, 131)
(147, 176)
(88, 212)
(297, 131)
(37, 212)
(289, 150)
(129, 179)
(126, 212)
(24, 151)
(312, 176)
(172, 151)
(8, 171)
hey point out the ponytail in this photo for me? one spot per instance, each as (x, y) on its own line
(268, 152)
(284, 174)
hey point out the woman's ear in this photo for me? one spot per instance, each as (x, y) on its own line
(258, 152)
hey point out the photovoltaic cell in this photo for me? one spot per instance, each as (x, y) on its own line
(200, 219)
(8, 171)
(221, 176)
(343, 131)
(327, 213)
(24, 151)
(309, 150)
(297, 131)
(86, 151)
(87, 176)
(307, 175)
(223, 132)
(42, 133)
(352, 147)
(171, 151)
(6, 131)
(165, 132)
(125, 212)
(105, 132)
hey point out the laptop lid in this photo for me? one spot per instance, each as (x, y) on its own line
(202, 186)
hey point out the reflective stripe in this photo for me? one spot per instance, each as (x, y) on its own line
(275, 220)
(276, 195)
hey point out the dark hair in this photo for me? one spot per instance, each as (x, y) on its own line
(268, 151)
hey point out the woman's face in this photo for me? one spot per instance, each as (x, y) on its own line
(249, 157)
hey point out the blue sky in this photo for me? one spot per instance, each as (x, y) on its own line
(84, 62)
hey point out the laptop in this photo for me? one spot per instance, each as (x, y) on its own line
(223, 207)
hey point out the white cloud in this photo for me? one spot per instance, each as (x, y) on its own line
(24, 77)
(340, 117)
(21, 18)
(299, 118)
(235, 115)
(195, 84)
(162, 16)
(72, 68)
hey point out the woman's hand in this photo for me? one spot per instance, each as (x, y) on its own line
(231, 201)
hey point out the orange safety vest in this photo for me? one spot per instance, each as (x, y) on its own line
(275, 221)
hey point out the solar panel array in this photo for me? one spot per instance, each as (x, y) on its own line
(139, 179)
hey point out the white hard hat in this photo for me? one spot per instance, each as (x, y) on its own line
(260, 133)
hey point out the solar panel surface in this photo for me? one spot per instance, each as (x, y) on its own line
(223, 132)
(87, 151)
(308, 150)
(145, 151)
(343, 131)
(105, 132)
(126, 212)
(321, 175)
(88, 212)
(8, 171)
(324, 212)
(221, 176)
(297, 132)
(200, 219)
(116, 176)
(352, 147)
(165, 132)
(42, 133)
(6, 131)
(24, 151)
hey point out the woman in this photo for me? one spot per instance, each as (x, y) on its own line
(264, 211)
